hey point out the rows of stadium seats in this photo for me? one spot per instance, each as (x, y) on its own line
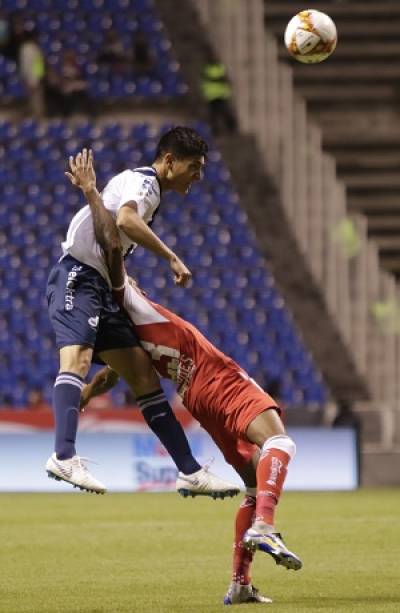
(233, 299)
(61, 28)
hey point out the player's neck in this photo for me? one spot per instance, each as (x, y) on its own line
(161, 176)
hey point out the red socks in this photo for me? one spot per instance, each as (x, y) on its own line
(271, 474)
(276, 454)
(242, 558)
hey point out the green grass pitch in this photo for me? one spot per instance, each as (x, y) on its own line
(150, 553)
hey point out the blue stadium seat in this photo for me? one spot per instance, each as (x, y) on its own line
(60, 28)
(233, 298)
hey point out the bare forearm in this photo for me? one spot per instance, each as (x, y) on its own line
(139, 232)
(102, 382)
(106, 233)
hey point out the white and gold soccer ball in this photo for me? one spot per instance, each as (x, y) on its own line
(310, 36)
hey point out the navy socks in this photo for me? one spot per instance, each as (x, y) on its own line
(162, 421)
(156, 412)
(66, 400)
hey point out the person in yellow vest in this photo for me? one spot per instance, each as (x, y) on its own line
(217, 91)
(32, 70)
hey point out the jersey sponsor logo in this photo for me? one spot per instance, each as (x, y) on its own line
(93, 321)
(186, 368)
(70, 287)
(180, 368)
(276, 467)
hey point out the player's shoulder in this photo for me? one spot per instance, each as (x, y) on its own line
(146, 179)
(146, 174)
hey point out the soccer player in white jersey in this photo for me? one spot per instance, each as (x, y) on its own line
(88, 322)
(243, 420)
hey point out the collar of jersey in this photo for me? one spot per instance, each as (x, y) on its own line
(149, 171)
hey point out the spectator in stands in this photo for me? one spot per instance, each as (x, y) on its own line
(4, 32)
(143, 59)
(53, 94)
(36, 400)
(32, 70)
(113, 54)
(217, 91)
(345, 417)
(66, 89)
(15, 33)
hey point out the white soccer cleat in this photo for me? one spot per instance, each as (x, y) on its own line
(271, 543)
(204, 483)
(74, 471)
(241, 594)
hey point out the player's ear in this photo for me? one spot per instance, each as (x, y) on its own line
(169, 163)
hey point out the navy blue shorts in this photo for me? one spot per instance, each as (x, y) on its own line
(82, 310)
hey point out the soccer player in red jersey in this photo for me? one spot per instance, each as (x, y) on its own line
(243, 420)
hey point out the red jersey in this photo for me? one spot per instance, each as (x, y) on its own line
(213, 387)
(179, 351)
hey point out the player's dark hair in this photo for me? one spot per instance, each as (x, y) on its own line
(182, 142)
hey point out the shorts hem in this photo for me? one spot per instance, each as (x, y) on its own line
(255, 414)
(69, 344)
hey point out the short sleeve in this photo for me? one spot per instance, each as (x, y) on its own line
(140, 189)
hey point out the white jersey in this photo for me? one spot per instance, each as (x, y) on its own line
(140, 185)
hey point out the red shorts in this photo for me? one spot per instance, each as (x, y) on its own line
(225, 407)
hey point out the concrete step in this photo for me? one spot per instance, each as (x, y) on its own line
(363, 28)
(377, 119)
(391, 263)
(387, 243)
(358, 51)
(370, 179)
(374, 140)
(381, 224)
(374, 203)
(352, 72)
(349, 162)
(345, 10)
(326, 93)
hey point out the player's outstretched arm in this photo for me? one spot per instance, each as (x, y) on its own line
(102, 382)
(82, 175)
(130, 222)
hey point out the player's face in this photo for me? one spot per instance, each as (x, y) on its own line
(182, 173)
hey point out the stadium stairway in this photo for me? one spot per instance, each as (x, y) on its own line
(261, 202)
(314, 200)
(354, 96)
(260, 198)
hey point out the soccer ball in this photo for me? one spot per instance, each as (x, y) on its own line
(310, 36)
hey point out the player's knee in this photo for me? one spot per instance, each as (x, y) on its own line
(145, 385)
(143, 378)
(282, 442)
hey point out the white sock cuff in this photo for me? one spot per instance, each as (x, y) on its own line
(251, 491)
(282, 442)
